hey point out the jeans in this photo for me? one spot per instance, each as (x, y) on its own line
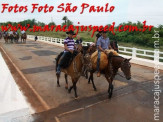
(98, 60)
(59, 65)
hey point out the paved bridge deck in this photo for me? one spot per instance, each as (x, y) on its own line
(33, 67)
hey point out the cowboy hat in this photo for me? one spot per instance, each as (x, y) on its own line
(70, 32)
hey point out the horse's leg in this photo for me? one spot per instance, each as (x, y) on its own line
(66, 86)
(75, 88)
(58, 76)
(110, 89)
(86, 74)
(69, 90)
(89, 80)
(74, 81)
(91, 75)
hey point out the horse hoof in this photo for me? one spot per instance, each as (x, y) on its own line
(95, 89)
(89, 82)
(66, 87)
(110, 96)
(69, 91)
(58, 85)
(76, 97)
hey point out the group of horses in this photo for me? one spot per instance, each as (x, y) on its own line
(84, 62)
(14, 38)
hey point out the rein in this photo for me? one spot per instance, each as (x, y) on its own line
(121, 64)
(120, 75)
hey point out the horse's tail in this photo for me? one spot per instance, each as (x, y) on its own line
(57, 59)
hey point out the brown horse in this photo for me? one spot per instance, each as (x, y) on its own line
(91, 50)
(23, 38)
(75, 69)
(10, 37)
(5, 36)
(116, 63)
(16, 37)
(0, 35)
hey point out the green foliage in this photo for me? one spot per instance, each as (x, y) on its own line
(131, 39)
(138, 38)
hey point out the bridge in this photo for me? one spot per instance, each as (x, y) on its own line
(33, 68)
(139, 56)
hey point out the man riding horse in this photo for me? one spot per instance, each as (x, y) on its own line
(23, 36)
(103, 44)
(69, 44)
(15, 36)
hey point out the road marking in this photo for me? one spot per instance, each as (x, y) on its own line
(91, 105)
(57, 119)
(75, 110)
(45, 105)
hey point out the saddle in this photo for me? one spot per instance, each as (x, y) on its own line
(66, 60)
(103, 59)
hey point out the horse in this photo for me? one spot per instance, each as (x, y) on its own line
(23, 38)
(0, 34)
(114, 45)
(6, 37)
(116, 63)
(91, 50)
(75, 69)
(11, 37)
(16, 37)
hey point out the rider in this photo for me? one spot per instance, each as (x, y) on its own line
(22, 32)
(78, 41)
(98, 35)
(69, 44)
(5, 33)
(103, 43)
(11, 32)
(0, 34)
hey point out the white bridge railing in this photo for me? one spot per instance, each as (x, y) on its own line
(135, 53)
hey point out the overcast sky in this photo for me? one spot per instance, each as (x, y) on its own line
(125, 10)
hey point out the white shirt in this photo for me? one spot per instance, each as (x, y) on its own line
(11, 32)
(22, 32)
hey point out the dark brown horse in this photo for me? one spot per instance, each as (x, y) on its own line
(114, 45)
(116, 63)
(10, 37)
(0, 34)
(23, 38)
(74, 70)
(6, 37)
(16, 37)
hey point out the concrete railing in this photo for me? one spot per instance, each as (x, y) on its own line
(139, 56)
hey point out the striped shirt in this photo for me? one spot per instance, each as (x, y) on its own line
(70, 43)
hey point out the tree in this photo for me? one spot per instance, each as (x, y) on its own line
(51, 23)
(160, 26)
(69, 22)
(40, 23)
(65, 20)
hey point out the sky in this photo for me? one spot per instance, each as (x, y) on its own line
(125, 10)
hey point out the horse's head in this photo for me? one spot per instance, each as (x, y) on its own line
(87, 62)
(126, 68)
(85, 49)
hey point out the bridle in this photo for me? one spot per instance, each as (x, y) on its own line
(120, 65)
